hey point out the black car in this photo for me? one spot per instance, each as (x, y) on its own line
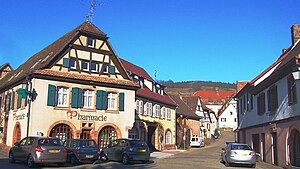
(126, 150)
(81, 150)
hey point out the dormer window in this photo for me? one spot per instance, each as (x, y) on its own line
(90, 42)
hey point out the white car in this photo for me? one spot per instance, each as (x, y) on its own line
(197, 142)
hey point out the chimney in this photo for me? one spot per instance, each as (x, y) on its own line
(295, 33)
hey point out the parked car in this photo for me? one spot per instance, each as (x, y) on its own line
(237, 153)
(81, 150)
(126, 150)
(38, 150)
(197, 142)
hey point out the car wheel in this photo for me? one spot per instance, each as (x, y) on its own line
(73, 160)
(30, 162)
(11, 157)
(145, 161)
(103, 157)
(125, 159)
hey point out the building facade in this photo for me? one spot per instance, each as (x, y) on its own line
(227, 115)
(74, 88)
(155, 111)
(269, 109)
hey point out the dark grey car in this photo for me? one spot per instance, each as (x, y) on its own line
(38, 150)
(81, 150)
(126, 150)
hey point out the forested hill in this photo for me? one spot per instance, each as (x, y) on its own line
(190, 87)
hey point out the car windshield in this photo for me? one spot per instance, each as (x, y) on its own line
(240, 147)
(88, 143)
(137, 143)
(50, 142)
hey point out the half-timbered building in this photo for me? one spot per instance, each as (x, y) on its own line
(74, 88)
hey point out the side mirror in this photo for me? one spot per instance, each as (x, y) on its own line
(17, 144)
(223, 149)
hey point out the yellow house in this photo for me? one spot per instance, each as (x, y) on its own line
(74, 88)
(155, 116)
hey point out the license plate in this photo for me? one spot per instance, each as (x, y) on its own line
(89, 156)
(142, 150)
(244, 154)
(54, 151)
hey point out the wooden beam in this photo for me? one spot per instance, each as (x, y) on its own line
(84, 48)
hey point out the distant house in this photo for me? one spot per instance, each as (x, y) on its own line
(269, 109)
(155, 111)
(214, 97)
(187, 123)
(227, 115)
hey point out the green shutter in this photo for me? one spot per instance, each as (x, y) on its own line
(101, 100)
(121, 101)
(5, 103)
(51, 95)
(112, 69)
(80, 98)
(74, 103)
(19, 101)
(66, 62)
(12, 100)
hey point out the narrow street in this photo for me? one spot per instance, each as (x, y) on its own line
(204, 158)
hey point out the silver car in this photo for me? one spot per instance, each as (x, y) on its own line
(237, 153)
(38, 150)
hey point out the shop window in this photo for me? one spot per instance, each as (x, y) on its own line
(106, 136)
(88, 98)
(168, 137)
(62, 131)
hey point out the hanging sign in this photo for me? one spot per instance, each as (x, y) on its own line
(19, 117)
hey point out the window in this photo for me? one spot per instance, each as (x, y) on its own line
(163, 115)
(168, 137)
(244, 103)
(90, 42)
(149, 109)
(105, 68)
(272, 99)
(62, 96)
(88, 99)
(292, 91)
(223, 119)
(234, 119)
(111, 101)
(231, 113)
(72, 64)
(157, 111)
(251, 102)
(137, 107)
(141, 107)
(94, 67)
(168, 114)
(261, 105)
(85, 66)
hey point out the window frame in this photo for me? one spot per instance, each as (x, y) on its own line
(261, 104)
(141, 107)
(168, 114)
(292, 90)
(88, 42)
(60, 96)
(272, 99)
(87, 95)
(168, 137)
(87, 64)
(149, 110)
(71, 61)
(111, 101)
(97, 65)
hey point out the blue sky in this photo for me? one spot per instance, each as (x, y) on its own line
(184, 40)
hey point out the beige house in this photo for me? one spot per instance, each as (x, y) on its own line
(74, 88)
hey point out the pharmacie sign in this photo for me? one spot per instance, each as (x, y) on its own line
(72, 114)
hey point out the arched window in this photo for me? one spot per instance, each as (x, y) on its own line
(168, 137)
(61, 131)
(106, 136)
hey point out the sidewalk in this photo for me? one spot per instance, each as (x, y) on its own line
(3, 153)
(165, 153)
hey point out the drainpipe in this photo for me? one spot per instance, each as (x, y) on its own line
(29, 105)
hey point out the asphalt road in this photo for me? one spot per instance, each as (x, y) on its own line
(207, 157)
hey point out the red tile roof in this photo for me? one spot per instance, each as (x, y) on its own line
(184, 109)
(214, 96)
(130, 67)
(78, 76)
(148, 94)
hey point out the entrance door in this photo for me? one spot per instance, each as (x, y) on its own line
(296, 149)
(256, 145)
(274, 148)
(151, 138)
(106, 136)
(17, 134)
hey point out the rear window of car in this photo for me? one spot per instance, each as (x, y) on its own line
(194, 139)
(50, 142)
(240, 147)
(137, 143)
(88, 143)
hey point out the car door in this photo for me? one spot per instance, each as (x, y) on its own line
(120, 148)
(19, 150)
(110, 150)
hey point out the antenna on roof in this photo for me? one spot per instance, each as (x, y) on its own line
(90, 15)
(155, 72)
